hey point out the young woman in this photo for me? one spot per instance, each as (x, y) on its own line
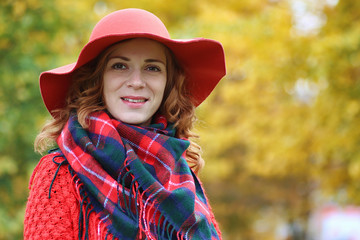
(124, 166)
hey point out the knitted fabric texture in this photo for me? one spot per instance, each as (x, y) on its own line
(57, 217)
(137, 179)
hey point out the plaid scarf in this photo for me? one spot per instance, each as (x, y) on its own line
(137, 179)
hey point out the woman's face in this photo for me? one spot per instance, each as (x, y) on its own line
(134, 80)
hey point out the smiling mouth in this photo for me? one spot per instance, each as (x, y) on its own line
(134, 100)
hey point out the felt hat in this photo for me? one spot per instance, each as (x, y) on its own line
(202, 59)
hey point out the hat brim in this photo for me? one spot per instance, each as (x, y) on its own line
(202, 59)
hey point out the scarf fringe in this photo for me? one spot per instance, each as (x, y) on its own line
(146, 219)
(143, 212)
(149, 217)
(85, 208)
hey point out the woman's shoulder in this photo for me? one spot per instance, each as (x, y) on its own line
(50, 166)
(52, 209)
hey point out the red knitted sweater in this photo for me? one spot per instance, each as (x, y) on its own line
(57, 217)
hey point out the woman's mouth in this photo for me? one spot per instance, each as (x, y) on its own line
(134, 101)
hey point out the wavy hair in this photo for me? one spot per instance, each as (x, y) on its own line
(86, 96)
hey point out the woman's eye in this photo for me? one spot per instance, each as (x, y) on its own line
(153, 69)
(119, 66)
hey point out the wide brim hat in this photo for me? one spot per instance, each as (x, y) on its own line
(202, 59)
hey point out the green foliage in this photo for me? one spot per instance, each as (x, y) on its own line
(279, 129)
(31, 41)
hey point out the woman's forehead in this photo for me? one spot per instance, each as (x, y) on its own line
(140, 47)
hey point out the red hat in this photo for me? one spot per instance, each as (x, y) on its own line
(202, 59)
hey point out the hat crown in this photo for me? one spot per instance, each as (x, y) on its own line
(129, 21)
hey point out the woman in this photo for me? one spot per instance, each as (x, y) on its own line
(124, 167)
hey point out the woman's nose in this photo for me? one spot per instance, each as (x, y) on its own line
(136, 80)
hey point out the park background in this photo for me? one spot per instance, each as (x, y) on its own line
(280, 133)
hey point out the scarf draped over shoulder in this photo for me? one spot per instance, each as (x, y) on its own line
(137, 179)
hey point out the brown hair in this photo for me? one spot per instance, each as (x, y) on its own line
(86, 96)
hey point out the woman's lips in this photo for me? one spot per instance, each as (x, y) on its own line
(134, 102)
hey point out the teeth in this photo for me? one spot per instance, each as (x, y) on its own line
(134, 100)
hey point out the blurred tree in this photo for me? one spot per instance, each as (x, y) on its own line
(34, 36)
(283, 124)
(336, 60)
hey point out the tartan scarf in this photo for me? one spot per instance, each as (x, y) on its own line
(137, 179)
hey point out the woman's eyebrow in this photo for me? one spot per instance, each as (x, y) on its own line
(121, 57)
(154, 60)
(150, 60)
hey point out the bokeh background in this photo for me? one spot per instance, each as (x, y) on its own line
(280, 134)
